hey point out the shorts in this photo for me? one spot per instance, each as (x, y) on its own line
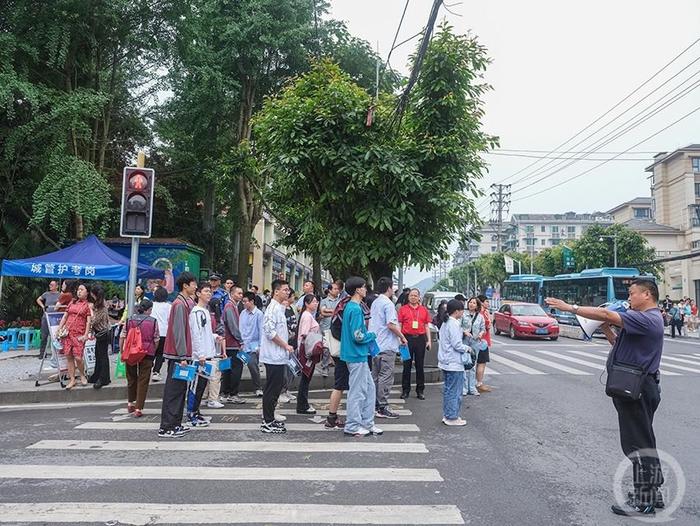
(342, 375)
(483, 357)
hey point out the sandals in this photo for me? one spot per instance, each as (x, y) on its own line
(70, 385)
(83, 381)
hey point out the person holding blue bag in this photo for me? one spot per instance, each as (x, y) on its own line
(474, 328)
(451, 361)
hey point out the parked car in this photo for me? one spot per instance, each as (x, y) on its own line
(525, 320)
(432, 300)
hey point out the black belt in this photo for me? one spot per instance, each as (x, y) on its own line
(415, 335)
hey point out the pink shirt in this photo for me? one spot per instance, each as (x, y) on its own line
(307, 324)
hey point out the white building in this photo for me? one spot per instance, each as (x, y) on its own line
(532, 233)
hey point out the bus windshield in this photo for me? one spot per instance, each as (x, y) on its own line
(581, 291)
(527, 310)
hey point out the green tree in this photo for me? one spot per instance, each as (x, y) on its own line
(550, 261)
(595, 251)
(344, 184)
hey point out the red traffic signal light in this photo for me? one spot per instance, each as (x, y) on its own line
(137, 202)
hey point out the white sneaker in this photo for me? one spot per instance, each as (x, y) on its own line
(284, 398)
(291, 396)
(374, 430)
(235, 399)
(214, 404)
(258, 393)
(155, 377)
(280, 418)
(361, 432)
(455, 422)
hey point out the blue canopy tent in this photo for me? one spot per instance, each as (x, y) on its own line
(87, 259)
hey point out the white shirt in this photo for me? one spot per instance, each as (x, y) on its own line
(161, 312)
(203, 339)
(274, 324)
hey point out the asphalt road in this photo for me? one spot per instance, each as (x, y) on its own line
(542, 448)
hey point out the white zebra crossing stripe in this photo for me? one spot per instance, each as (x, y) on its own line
(250, 411)
(549, 363)
(515, 365)
(666, 364)
(604, 359)
(343, 401)
(571, 359)
(215, 426)
(142, 514)
(136, 472)
(261, 446)
(682, 360)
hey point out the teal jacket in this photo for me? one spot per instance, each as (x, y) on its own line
(354, 337)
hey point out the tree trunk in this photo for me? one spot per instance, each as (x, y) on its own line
(380, 269)
(246, 234)
(317, 272)
(208, 225)
(79, 228)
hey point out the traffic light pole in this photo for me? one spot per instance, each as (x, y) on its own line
(134, 259)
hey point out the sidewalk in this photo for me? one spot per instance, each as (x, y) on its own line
(18, 374)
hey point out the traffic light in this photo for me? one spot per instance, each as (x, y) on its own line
(137, 202)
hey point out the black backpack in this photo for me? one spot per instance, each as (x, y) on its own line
(337, 318)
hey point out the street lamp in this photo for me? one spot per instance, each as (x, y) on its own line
(614, 238)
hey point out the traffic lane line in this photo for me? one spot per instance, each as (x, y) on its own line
(154, 426)
(254, 446)
(256, 411)
(142, 514)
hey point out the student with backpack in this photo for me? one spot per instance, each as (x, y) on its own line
(139, 341)
(177, 349)
(341, 373)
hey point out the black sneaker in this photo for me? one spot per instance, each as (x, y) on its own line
(658, 502)
(633, 509)
(308, 411)
(170, 433)
(183, 429)
(334, 423)
(420, 396)
(385, 412)
(273, 428)
(404, 395)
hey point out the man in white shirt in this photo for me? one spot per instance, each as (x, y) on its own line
(385, 324)
(307, 288)
(274, 353)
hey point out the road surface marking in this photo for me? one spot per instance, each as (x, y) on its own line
(142, 514)
(136, 472)
(571, 359)
(664, 372)
(515, 365)
(549, 363)
(325, 400)
(665, 364)
(257, 446)
(249, 411)
(153, 426)
(682, 360)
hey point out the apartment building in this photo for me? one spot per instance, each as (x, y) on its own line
(532, 233)
(639, 208)
(675, 189)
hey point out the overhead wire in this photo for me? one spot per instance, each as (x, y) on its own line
(608, 160)
(615, 106)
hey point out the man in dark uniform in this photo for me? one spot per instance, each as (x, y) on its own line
(639, 342)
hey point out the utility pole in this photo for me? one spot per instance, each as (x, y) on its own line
(500, 205)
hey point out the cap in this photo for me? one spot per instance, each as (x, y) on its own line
(214, 275)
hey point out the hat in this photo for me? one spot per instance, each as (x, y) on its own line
(215, 276)
(144, 305)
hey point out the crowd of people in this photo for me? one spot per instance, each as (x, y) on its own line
(681, 316)
(350, 331)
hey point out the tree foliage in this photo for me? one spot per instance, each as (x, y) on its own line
(594, 251)
(367, 198)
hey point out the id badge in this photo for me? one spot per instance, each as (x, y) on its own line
(414, 324)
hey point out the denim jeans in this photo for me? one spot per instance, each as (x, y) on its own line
(469, 381)
(451, 394)
(361, 396)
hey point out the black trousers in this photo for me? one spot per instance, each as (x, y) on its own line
(303, 393)
(416, 346)
(101, 372)
(676, 325)
(273, 387)
(173, 400)
(636, 418)
(158, 363)
(231, 379)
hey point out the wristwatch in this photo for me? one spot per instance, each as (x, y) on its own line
(574, 308)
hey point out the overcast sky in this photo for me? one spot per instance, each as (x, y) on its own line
(558, 66)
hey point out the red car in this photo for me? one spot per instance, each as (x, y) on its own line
(525, 320)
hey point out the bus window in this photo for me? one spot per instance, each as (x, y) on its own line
(526, 291)
(582, 291)
(621, 286)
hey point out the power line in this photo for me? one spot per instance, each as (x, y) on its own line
(624, 131)
(597, 141)
(609, 110)
(567, 158)
(569, 151)
(608, 160)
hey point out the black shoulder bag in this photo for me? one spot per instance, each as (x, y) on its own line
(624, 380)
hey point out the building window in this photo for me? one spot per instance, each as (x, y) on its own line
(543, 242)
(697, 189)
(493, 248)
(529, 229)
(695, 244)
(571, 230)
(555, 241)
(696, 164)
(530, 241)
(645, 213)
(543, 228)
(555, 230)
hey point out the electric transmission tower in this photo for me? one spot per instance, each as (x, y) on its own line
(500, 206)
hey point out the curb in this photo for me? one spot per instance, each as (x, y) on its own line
(155, 390)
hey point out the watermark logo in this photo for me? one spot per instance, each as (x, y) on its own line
(672, 490)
